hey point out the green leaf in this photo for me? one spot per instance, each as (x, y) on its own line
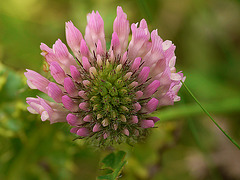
(114, 164)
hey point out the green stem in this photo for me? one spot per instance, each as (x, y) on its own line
(204, 110)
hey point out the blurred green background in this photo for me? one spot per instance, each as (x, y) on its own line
(186, 144)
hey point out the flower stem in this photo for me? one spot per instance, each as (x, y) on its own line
(207, 113)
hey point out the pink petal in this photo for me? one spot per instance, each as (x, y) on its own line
(84, 106)
(99, 60)
(139, 94)
(45, 49)
(127, 75)
(70, 87)
(176, 76)
(152, 105)
(151, 88)
(83, 132)
(48, 110)
(60, 49)
(136, 64)
(112, 57)
(126, 132)
(72, 119)
(55, 92)
(55, 111)
(96, 127)
(158, 68)
(74, 130)
(86, 83)
(124, 58)
(83, 95)
(44, 116)
(136, 107)
(69, 104)
(99, 48)
(95, 31)
(85, 63)
(147, 124)
(172, 62)
(57, 72)
(167, 99)
(134, 119)
(115, 44)
(139, 44)
(93, 72)
(48, 53)
(156, 51)
(31, 110)
(143, 75)
(35, 107)
(75, 74)
(87, 118)
(155, 119)
(133, 84)
(74, 37)
(169, 50)
(84, 49)
(36, 81)
(121, 28)
(166, 45)
(65, 59)
(165, 77)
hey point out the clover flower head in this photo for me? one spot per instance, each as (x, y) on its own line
(107, 96)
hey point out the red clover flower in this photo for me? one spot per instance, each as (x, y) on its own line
(107, 95)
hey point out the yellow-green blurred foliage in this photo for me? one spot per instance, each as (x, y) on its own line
(186, 145)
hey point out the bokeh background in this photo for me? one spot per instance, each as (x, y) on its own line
(186, 144)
